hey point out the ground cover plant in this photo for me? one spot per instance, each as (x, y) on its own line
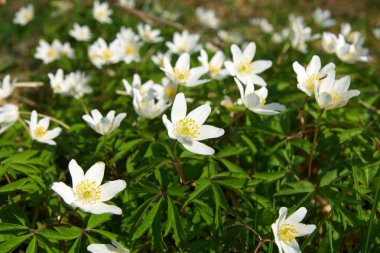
(189, 126)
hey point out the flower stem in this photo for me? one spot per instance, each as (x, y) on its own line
(314, 141)
(52, 118)
(177, 164)
(84, 107)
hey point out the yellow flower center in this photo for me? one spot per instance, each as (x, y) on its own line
(335, 98)
(107, 54)
(351, 55)
(101, 14)
(183, 47)
(310, 82)
(245, 68)
(51, 53)
(39, 132)
(187, 127)
(287, 233)
(27, 16)
(130, 49)
(214, 70)
(87, 191)
(262, 102)
(170, 92)
(181, 74)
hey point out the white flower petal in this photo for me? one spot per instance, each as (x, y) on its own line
(76, 172)
(179, 108)
(297, 216)
(111, 188)
(199, 148)
(261, 65)
(100, 208)
(64, 191)
(304, 229)
(200, 114)
(208, 132)
(96, 173)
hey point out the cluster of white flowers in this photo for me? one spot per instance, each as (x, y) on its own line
(51, 52)
(150, 99)
(73, 84)
(262, 23)
(329, 93)
(348, 46)
(80, 33)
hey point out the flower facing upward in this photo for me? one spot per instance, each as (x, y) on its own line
(80, 33)
(103, 125)
(286, 230)
(39, 130)
(24, 15)
(244, 68)
(147, 34)
(189, 129)
(48, 53)
(313, 74)
(107, 248)
(255, 101)
(182, 73)
(215, 65)
(6, 87)
(323, 18)
(87, 193)
(102, 12)
(207, 18)
(184, 43)
(333, 93)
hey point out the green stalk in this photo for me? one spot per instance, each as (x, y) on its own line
(371, 219)
(314, 142)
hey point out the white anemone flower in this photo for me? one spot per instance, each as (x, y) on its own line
(80, 33)
(230, 37)
(102, 54)
(66, 49)
(300, 34)
(215, 65)
(313, 74)
(184, 43)
(332, 94)
(351, 53)
(151, 104)
(129, 44)
(24, 15)
(182, 73)
(8, 116)
(76, 84)
(286, 230)
(255, 100)
(39, 130)
(57, 82)
(102, 12)
(329, 42)
(6, 87)
(128, 3)
(87, 192)
(159, 57)
(103, 125)
(188, 129)
(323, 18)
(107, 248)
(147, 34)
(244, 68)
(48, 53)
(207, 18)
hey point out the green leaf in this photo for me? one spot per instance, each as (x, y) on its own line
(269, 176)
(175, 221)
(201, 186)
(231, 151)
(17, 185)
(11, 227)
(61, 233)
(32, 247)
(76, 246)
(97, 219)
(107, 234)
(233, 167)
(11, 244)
(147, 221)
(301, 186)
(219, 199)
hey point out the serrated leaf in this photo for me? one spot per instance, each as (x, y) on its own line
(76, 246)
(147, 221)
(61, 233)
(97, 219)
(175, 220)
(32, 247)
(11, 227)
(11, 244)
